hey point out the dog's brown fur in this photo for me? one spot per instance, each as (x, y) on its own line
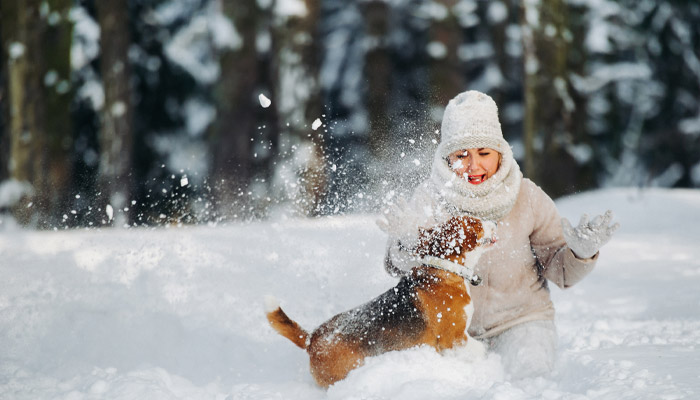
(425, 308)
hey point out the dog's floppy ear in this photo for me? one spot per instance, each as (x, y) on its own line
(425, 242)
(470, 231)
(455, 235)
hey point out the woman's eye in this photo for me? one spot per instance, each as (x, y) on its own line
(484, 154)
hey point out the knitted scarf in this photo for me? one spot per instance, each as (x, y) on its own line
(491, 200)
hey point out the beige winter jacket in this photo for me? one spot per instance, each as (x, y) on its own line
(530, 250)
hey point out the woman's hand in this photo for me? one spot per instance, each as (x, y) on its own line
(393, 218)
(588, 237)
(402, 221)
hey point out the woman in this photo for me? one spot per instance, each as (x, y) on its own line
(474, 173)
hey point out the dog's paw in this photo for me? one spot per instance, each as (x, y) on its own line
(271, 303)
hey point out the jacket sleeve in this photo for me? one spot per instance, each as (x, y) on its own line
(556, 260)
(397, 262)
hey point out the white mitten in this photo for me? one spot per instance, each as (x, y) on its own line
(588, 237)
(401, 221)
(393, 218)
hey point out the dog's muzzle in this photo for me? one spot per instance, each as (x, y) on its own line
(485, 241)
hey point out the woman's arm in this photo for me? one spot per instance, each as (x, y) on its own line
(397, 262)
(402, 228)
(558, 262)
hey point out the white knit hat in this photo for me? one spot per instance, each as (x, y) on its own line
(471, 121)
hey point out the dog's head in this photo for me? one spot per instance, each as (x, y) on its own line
(455, 239)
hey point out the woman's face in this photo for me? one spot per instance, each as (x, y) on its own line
(474, 165)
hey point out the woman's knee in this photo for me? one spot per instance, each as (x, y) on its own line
(528, 349)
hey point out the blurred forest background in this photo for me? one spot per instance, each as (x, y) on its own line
(148, 112)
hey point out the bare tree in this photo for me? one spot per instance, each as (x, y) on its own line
(116, 135)
(36, 44)
(25, 130)
(56, 47)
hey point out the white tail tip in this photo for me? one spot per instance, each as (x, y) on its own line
(271, 304)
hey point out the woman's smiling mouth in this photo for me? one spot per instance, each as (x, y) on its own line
(476, 179)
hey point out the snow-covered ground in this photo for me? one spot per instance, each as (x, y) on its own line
(177, 313)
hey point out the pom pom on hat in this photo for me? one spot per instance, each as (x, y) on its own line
(471, 121)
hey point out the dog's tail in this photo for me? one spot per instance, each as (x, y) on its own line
(284, 325)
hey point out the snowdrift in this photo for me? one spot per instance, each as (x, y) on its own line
(177, 313)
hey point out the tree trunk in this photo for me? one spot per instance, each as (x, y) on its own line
(56, 48)
(237, 106)
(378, 71)
(299, 98)
(22, 30)
(4, 95)
(116, 135)
(554, 123)
(266, 141)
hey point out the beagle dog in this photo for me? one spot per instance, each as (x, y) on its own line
(429, 306)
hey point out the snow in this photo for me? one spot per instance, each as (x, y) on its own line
(598, 38)
(479, 50)
(93, 91)
(497, 12)
(118, 109)
(194, 46)
(199, 115)
(695, 174)
(291, 8)
(264, 101)
(436, 50)
(86, 38)
(433, 10)
(109, 211)
(224, 35)
(189, 49)
(50, 78)
(184, 154)
(605, 74)
(690, 126)
(12, 191)
(16, 50)
(178, 313)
